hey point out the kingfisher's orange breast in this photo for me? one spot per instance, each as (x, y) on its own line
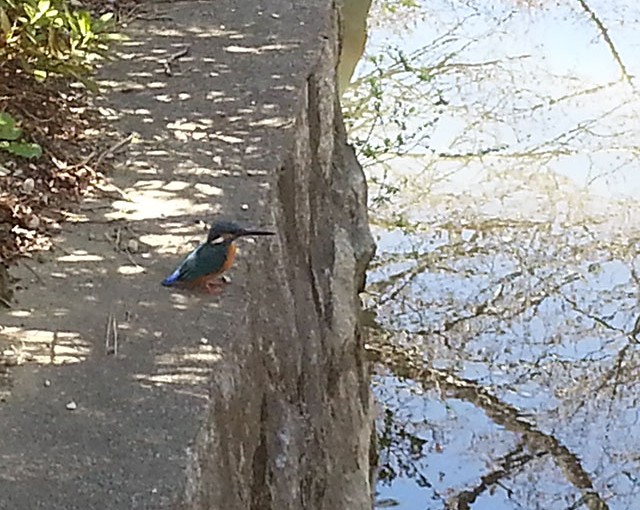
(231, 253)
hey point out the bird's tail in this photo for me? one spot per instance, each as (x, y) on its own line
(171, 279)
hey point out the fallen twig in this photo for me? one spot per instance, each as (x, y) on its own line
(96, 207)
(33, 271)
(114, 148)
(111, 347)
(112, 188)
(99, 156)
(156, 17)
(115, 335)
(52, 347)
(132, 14)
(100, 221)
(130, 257)
(167, 62)
(60, 247)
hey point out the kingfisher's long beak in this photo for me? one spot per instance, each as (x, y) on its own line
(254, 233)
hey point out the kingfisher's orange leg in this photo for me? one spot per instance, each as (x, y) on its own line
(213, 286)
(211, 283)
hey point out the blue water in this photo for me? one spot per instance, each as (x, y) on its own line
(514, 280)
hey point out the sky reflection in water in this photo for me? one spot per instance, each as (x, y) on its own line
(518, 286)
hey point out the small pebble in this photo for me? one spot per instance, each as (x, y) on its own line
(244, 207)
(204, 341)
(71, 406)
(28, 185)
(47, 383)
(33, 222)
(133, 246)
(275, 16)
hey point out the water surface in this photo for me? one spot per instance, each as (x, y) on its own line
(506, 285)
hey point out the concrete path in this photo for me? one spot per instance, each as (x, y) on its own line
(210, 91)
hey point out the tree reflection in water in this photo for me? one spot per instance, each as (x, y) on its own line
(500, 144)
(508, 358)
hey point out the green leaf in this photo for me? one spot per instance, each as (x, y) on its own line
(5, 24)
(24, 149)
(8, 131)
(84, 22)
(29, 11)
(44, 6)
(40, 74)
(52, 37)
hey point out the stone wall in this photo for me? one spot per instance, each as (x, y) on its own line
(291, 415)
(257, 398)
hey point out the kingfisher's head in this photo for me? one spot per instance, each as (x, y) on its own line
(226, 231)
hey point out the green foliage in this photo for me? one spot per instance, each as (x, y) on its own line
(381, 102)
(47, 37)
(8, 129)
(10, 139)
(395, 6)
(391, 112)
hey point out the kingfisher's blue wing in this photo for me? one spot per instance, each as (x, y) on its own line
(205, 259)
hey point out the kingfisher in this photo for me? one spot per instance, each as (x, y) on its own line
(204, 265)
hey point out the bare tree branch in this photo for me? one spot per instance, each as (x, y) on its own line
(409, 365)
(511, 463)
(605, 35)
